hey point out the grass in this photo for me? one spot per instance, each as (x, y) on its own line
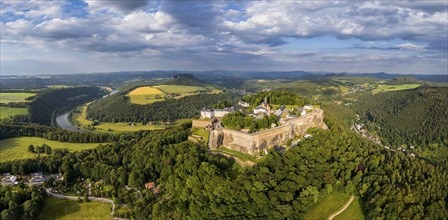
(179, 88)
(65, 209)
(125, 127)
(327, 205)
(79, 117)
(58, 86)
(353, 212)
(6, 97)
(388, 88)
(6, 112)
(17, 147)
(240, 155)
(201, 132)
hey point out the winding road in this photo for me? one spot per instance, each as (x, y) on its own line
(347, 204)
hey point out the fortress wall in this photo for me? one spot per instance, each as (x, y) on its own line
(253, 143)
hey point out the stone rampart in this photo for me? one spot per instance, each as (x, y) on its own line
(253, 143)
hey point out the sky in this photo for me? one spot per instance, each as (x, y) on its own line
(74, 36)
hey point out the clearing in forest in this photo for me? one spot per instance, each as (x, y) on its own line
(331, 203)
(6, 112)
(65, 209)
(79, 120)
(7, 97)
(17, 147)
(388, 88)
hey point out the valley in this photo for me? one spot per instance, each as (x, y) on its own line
(312, 167)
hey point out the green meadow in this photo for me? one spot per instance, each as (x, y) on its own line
(65, 209)
(332, 203)
(388, 88)
(6, 112)
(6, 97)
(17, 147)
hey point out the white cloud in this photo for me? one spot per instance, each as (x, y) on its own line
(117, 6)
(193, 32)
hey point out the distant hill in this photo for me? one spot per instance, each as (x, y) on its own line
(412, 117)
(402, 80)
(186, 80)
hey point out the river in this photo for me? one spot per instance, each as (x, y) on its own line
(63, 121)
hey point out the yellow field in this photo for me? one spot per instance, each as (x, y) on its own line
(150, 94)
(145, 90)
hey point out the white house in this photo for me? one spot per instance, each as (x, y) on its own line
(260, 110)
(279, 111)
(308, 107)
(207, 113)
(222, 112)
(244, 104)
(13, 179)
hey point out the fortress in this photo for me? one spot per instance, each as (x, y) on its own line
(254, 143)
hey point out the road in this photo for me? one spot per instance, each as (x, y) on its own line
(347, 204)
(75, 198)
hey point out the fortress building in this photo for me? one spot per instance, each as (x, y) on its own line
(254, 143)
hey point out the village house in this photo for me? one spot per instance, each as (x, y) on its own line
(280, 111)
(260, 110)
(244, 104)
(207, 113)
(222, 112)
(150, 185)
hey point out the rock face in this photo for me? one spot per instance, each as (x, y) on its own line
(253, 143)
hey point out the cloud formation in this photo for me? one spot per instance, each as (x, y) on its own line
(234, 35)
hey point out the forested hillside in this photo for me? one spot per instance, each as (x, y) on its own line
(199, 185)
(412, 117)
(117, 108)
(51, 133)
(21, 202)
(186, 80)
(45, 106)
(276, 97)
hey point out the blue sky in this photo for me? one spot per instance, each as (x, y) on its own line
(52, 37)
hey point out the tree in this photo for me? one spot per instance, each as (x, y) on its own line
(31, 148)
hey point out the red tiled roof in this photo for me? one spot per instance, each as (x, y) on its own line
(150, 185)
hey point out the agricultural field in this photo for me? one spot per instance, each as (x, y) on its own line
(58, 86)
(80, 120)
(6, 112)
(150, 94)
(332, 203)
(17, 147)
(6, 97)
(388, 88)
(179, 89)
(65, 209)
